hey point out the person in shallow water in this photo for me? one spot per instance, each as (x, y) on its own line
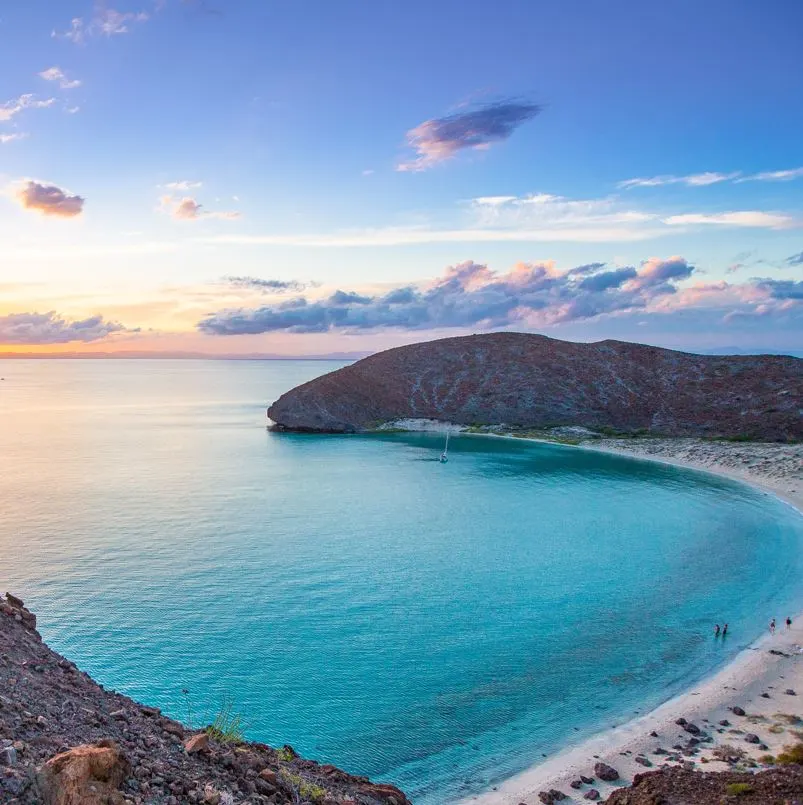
(772, 626)
(788, 622)
(716, 630)
(724, 630)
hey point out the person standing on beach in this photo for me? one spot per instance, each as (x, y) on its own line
(788, 622)
(772, 626)
(716, 631)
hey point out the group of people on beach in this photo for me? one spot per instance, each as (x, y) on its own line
(788, 624)
(724, 630)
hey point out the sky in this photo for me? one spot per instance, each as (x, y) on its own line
(237, 177)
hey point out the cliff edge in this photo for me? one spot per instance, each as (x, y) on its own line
(64, 740)
(533, 381)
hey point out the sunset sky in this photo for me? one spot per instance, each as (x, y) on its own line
(256, 176)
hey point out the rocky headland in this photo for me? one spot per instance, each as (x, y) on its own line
(65, 740)
(531, 381)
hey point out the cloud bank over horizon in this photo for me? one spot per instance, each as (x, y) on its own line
(51, 328)
(471, 295)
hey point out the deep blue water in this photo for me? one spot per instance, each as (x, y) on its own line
(436, 626)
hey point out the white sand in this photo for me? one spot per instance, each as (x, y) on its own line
(777, 469)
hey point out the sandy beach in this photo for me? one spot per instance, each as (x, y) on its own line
(765, 680)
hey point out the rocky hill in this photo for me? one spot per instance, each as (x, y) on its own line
(533, 381)
(64, 740)
(781, 786)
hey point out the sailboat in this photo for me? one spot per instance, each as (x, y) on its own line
(444, 457)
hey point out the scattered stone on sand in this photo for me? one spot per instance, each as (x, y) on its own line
(605, 772)
(738, 711)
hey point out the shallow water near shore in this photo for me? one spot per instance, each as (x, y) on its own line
(436, 626)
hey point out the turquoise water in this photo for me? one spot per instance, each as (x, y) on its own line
(437, 626)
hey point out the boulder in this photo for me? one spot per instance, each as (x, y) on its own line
(591, 794)
(752, 738)
(790, 692)
(642, 760)
(606, 772)
(691, 728)
(15, 602)
(738, 711)
(90, 774)
(196, 743)
(551, 796)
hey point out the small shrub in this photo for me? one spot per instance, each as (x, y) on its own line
(776, 729)
(228, 725)
(791, 754)
(769, 760)
(286, 754)
(303, 788)
(728, 753)
(789, 718)
(736, 789)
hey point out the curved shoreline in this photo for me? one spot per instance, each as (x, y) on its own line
(741, 682)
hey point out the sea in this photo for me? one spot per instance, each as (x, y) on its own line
(437, 626)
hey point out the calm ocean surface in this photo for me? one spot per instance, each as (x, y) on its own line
(436, 626)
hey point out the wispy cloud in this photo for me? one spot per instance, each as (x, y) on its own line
(105, 21)
(795, 259)
(183, 185)
(267, 286)
(713, 177)
(774, 176)
(10, 138)
(692, 180)
(48, 199)
(188, 209)
(13, 107)
(51, 328)
(441, 138)
(56, 74)
(744, 218)
(539, 217)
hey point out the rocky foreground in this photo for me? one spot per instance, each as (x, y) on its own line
(64, 740)
(525, 380)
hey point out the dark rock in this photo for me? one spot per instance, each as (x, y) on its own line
(586, 780)
(691, 728)
(576, 784)
(681, 722)
(752, 738)
(591, 794)
(790, 692)
(724, 723)
(737, 711)
(605, 772)
(643, 761)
